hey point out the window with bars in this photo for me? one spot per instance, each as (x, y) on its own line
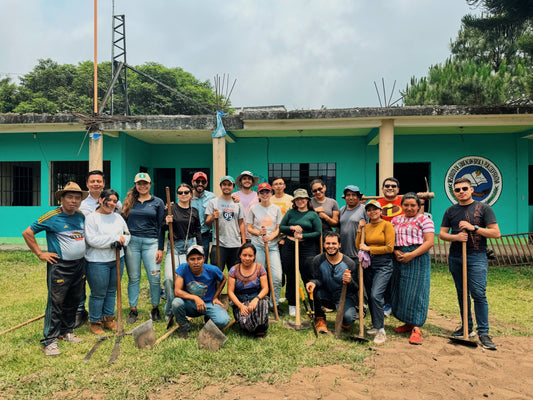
(300, 175)
(62, 172)
(20, 183)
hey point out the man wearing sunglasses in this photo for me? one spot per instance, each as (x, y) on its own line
(391, 203)
(199, 201)
(472, 222)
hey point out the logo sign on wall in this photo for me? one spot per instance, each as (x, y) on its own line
(485, 176)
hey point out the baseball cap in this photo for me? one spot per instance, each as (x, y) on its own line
(228, 178)
(350, 188)
(264, 186)
(374, 203)
(142, 176)
(195, 249)
(300, 193)
(199, 174)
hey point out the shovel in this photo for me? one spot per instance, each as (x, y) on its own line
(144, 335)
(210, 337)
(340, 309)
(171, 239)
(361, 337)
(120, 328)
(297, 325)
(270, 283)
(465, 341)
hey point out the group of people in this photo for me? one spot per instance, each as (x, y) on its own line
(92, 233)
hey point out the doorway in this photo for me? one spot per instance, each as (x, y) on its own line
(164, 177)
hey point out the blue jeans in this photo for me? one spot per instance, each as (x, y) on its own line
(187, 308)
(275, 267)
(144, 249)
(102, 279)
(376, 278)
(168, 282)
(476, 285)
(325, 298)
(207, 237)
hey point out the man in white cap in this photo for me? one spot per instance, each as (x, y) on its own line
(197, 288)
(65, 238)
(246, 196)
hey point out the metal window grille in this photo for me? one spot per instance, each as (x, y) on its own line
(20, 183)
(62, 172)
(300, 175)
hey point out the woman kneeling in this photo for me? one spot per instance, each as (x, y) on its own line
(248, 289)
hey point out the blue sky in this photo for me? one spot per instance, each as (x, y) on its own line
(303, 54)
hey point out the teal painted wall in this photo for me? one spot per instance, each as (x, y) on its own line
(356, 164)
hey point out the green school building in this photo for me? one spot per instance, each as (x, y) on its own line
(493, 146)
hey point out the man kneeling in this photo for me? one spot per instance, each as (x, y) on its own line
(331, 270)
(197, 288)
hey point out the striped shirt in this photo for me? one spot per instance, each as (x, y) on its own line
(410, 231)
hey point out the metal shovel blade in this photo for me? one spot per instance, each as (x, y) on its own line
(144, 335)
(210, 337)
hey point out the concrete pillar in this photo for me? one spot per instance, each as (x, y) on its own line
(386, 150)
(96, 154)
(219, 163)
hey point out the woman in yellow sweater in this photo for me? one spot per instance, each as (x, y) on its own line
(379, 242)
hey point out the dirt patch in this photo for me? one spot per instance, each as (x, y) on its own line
(398, 370)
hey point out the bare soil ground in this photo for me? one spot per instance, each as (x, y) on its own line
(435, 370)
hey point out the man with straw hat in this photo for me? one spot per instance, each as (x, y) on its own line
(65, 262)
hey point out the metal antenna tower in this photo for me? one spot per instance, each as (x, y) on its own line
(119, 44)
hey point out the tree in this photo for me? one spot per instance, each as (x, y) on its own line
(486, 67)
(51, 88)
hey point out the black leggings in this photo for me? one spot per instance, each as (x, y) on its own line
(228, 257)
(307, 250)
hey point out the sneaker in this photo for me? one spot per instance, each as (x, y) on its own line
(487, 342)
(404, 328)
(155, 314)
(81, 318)
(321, 326)
(387, 310)
(380, 338)
(416, 336)
(292, 311)
(282, 300)
(52, 349)
(72, 338)
(372, 332)
(459, 333)
(132, 318)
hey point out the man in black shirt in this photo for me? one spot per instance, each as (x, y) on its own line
(471, 222)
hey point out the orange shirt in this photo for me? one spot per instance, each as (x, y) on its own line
(390, 209)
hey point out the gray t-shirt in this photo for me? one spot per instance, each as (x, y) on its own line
(230, 214)
(269, 217)
(329, 206)
(349, 221)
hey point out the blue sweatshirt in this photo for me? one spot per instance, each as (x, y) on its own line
(145, 220)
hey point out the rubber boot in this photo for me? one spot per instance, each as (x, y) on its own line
(110, 323)
(96, 328)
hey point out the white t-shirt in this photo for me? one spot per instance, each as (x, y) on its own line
(260, 216)
(230, 214)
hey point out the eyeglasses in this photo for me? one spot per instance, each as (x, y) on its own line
(464, 189)
(264, 191)
(390, 186)
(182, 192)
(317, 190)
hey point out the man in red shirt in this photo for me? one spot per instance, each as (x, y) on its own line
(391, 203)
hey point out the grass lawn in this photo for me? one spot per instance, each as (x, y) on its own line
(26, 373)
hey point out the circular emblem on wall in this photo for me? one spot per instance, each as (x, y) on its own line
(485, 176)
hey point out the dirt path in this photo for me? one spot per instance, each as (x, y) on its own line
(435, 370)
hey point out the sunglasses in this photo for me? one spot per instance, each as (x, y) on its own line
(390, 186)
(317, 190)
(200, 181)
(264, 191)
(182, 192)
(464, 189)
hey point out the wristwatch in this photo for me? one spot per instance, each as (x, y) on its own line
(476, 227)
